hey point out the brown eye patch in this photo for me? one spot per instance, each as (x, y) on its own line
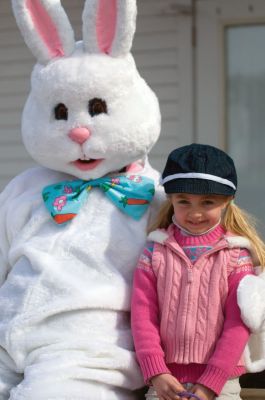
(97, 106)
(61, 112)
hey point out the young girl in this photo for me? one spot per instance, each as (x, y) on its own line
(186, 323)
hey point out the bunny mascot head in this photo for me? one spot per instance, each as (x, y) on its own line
(89, 112)
(71, 229)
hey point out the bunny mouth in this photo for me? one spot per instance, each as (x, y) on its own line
(87, 165)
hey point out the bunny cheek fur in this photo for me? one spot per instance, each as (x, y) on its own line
(123, 135)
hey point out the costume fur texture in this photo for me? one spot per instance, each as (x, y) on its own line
(250, 297)
(251, 292)
(65, 290)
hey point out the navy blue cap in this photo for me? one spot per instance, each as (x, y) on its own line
(199, 169)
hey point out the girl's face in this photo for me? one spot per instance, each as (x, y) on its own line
(198, 213)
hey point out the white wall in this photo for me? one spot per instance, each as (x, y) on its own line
(162, 49)
(15, 66)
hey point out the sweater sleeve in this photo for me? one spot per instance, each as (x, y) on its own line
(235, 334)
(145, 320)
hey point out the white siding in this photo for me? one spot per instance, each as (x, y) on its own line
(15, 66)
(162, 49)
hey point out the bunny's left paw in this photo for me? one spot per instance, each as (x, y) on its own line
(250, 297)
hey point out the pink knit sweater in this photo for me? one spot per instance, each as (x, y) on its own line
(185, 318)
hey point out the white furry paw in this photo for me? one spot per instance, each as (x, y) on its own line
(250, 297)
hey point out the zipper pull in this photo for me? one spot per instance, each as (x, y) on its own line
(190, 275)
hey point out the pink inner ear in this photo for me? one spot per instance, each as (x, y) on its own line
(106, 24)
(45, 27)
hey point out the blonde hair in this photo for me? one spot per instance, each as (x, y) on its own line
(238, 221)
(234, 220)
(164, 216)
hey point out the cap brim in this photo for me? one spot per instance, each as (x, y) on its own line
(198, 186)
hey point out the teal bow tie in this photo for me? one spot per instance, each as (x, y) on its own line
(132, 194)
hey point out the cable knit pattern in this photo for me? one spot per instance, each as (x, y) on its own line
(186, 290)
(190, 323)
(203, 307)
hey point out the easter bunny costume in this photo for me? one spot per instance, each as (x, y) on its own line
(65, 288)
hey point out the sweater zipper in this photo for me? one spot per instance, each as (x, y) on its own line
(190, 272)
(190, 275)
(190, 266)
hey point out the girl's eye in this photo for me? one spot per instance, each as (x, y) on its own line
(183, 202)
(61, 112)
(96, 107)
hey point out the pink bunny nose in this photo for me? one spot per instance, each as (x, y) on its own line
(79, 135)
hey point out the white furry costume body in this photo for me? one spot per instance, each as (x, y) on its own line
(65, 303)
(65, 293)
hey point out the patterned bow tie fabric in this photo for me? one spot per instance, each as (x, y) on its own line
(132, 194)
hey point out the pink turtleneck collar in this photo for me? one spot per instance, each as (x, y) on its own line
(210, 237)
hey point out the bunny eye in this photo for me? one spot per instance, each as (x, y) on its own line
(61, 112)
(96, 107)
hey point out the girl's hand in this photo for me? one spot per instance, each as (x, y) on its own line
(167, 387)
(203, 392)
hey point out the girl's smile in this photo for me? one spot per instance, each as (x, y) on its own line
(198, 213)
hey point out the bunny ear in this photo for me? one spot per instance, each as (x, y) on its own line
(109, 26)
(45, 28)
